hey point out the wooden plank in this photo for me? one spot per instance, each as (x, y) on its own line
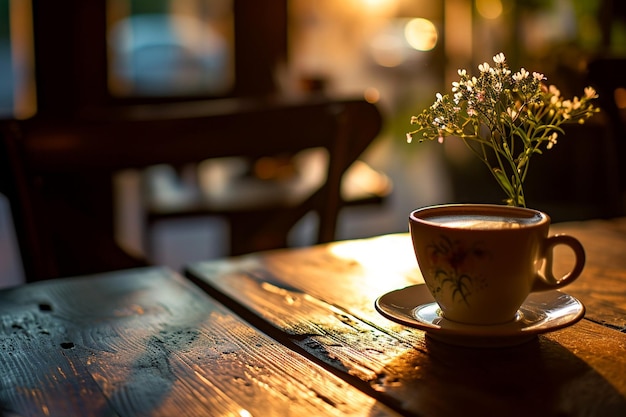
(146, 342)
(321, 301)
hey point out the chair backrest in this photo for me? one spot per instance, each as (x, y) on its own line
(59, 172)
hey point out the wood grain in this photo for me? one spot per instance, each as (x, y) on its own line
(146, 342)
(321, 301)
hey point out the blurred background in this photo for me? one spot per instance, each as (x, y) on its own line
(62, 59)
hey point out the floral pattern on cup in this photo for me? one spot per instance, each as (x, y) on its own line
(456, 267)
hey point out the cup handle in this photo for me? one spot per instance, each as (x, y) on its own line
(548, 281)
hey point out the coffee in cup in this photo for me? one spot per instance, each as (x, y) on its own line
(481, 261)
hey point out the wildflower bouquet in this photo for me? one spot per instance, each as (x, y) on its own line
(504, 118)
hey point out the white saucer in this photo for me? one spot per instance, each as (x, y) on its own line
(542, 312)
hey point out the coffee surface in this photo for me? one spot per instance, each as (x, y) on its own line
(474, 221)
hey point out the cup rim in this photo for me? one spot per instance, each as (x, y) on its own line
(420, 215)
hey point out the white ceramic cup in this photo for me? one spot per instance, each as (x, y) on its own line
(481, 261)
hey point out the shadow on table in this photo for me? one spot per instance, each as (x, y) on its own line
(538, 375)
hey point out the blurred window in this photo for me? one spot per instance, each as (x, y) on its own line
(170, 47)
(17, 83)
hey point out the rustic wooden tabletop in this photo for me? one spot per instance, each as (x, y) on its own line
(296, 332)
(148, 343)
(320, 302)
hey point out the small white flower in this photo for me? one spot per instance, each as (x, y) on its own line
(462, 72)
(567, 105)
(554, 100)
(469, 84)
(590, 92)
(554, 91)
(539, 76)
(499, 58)
(409, 138)
(484, 67)
(521, 75)
(552, 140)
(512, 113)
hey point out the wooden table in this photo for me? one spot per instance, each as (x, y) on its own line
(295, 332)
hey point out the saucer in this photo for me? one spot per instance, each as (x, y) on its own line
(542, 312)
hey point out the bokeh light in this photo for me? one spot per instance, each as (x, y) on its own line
(489, 9)
(421, 34)
(371, 95)
(620, 97)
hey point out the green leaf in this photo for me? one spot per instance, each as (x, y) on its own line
(503, 181)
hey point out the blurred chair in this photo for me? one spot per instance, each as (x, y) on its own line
(303, 159)
(61, 207)
(61, 172)
(242, 191)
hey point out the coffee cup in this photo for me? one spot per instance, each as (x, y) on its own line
(481, 261)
